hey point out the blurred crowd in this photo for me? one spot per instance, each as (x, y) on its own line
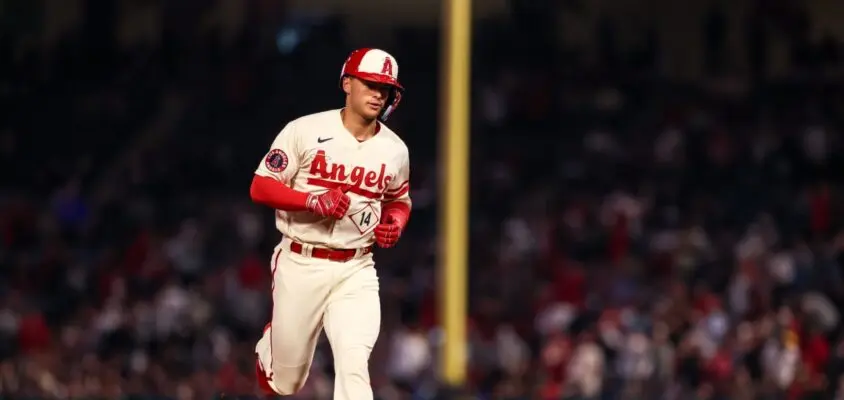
(632, 237)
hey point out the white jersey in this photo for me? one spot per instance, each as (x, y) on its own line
(316, 153)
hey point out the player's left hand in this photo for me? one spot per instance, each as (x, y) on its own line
(387, 233)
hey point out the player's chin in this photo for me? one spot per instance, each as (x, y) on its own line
(371, 112)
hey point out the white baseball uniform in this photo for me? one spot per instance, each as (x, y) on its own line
(313, 154)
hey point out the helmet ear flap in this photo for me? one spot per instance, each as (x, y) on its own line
(393, 101)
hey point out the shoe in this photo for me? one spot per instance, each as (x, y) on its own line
(263, 380)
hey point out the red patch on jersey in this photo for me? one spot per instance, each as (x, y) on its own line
(276, 160)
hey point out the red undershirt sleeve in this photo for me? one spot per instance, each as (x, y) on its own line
(274, 194)
(396, 202)
(398, 211)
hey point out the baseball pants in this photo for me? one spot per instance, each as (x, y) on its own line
(310, 294)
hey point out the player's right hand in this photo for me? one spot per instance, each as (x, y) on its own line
(333, 203)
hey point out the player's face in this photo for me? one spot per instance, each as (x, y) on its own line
(365, 98)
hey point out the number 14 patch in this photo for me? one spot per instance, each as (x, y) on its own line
(365, 219)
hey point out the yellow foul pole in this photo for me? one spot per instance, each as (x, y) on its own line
(454, 202)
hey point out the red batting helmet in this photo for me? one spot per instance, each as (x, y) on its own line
(375, 65)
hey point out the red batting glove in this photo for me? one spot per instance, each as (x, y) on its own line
(333, 203)
(387, 233)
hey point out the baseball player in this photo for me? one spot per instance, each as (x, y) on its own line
(338, 181)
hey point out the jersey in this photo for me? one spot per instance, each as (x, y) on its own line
(316, 153)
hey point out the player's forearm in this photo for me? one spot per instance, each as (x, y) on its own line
(277, 195)
(398, 210)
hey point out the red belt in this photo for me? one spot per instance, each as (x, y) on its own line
(341, 255)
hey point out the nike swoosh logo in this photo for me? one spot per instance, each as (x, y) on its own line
(321, 140)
